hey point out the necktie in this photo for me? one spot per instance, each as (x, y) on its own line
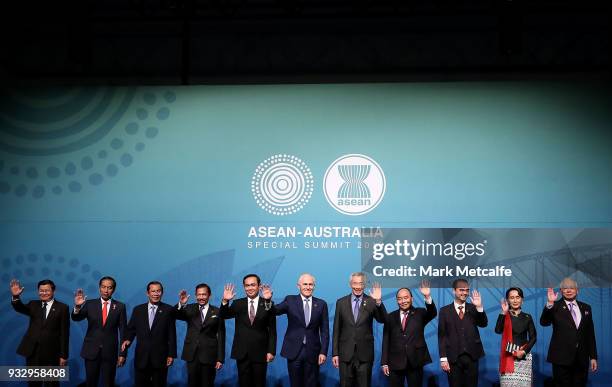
(404, 321)
(202, 313)
(356, 309)
(44, 311)
(104, 312)
(252, 312)
(307, 311)
(460, 312)
(574, 316)
(151, 316)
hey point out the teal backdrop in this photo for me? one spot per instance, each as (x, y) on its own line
(145, 183)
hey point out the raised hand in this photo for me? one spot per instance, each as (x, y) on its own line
(376, 291)
(425, 289)
(266, 292)
(183, 297)
(504, 305)
(229, 292)
(16, 288)
(79, 297)
(551, 296)
(475, 299)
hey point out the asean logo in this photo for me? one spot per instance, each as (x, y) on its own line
(282, 184)
(354, 184)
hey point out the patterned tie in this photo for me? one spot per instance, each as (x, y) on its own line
(460, 312)
(404, 321)
(104, 312)
(252, 312)
(44, 316)
(151, 316)
(573, 312)
(356, 309)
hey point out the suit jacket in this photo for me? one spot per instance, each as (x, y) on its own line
(449, 336)
(352, 337)
(153, 345)
(204, 341)
(252, 341)
(316, 332)
(567, 341)
(400, 346)
(104, 339)
(49, 337)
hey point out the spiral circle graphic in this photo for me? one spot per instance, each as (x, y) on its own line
(282, 184)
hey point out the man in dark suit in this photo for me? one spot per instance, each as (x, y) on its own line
(254, 342)
(106, 324)
(458, 337)
(204, 348)
(572, 350)
(353, 339)
(404, 350)
(153, 326)
(307, 336)
(45, 343)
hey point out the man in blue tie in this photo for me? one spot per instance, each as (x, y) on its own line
(353, 339)
(572, 349)
(307, 338)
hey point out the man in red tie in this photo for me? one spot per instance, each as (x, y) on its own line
(458, 337)
(106, 324)
(404, 350)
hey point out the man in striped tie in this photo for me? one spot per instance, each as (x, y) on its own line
(572, 350)
(106, 324)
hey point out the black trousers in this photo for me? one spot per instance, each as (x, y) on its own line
(303, 372)
(355, 373)
(251, 374)
(463, 372)
(100, 368)
(574, 375)
(200, 374)
(36, 360)
(151, 376)
(414, 376)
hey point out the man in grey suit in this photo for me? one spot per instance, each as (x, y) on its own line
(353, 339)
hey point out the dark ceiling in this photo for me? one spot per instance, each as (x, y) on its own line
(261, 41)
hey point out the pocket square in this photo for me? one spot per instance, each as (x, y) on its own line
(213, 316)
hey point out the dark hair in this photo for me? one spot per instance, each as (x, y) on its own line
(459, 281)
(252, 275)
(46, 282)
(398, 290)
(518, 290)
(203, 285)
(106, 277)
(155, 283)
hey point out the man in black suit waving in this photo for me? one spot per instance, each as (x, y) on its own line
(204, 348)
(106, 324)
(46, 341)
(153, 326)
(254, 342)
(404, 350)
(353, 339)
(458, 337)
(572, 350)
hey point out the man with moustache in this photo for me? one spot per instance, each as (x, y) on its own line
(458, 337)
(254, 342)
(572, 350)
(353, 339)
(204, 348)
(106, 324)
(45, 343)
(404, 350)
(307, 336)
(153, 326)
